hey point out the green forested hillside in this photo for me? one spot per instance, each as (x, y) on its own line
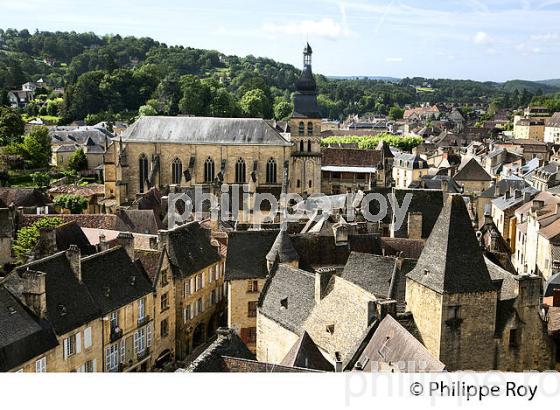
(112, 76)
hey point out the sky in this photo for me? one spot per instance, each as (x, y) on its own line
(494, 40)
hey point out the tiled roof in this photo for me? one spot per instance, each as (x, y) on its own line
(391, 343)
(282, 249)
(87, 190)
(247, 250)
(472, 171)
(151, 261)
(25, 197)
(428, 202)
(305, 354)
(442, 266)
(350, 157)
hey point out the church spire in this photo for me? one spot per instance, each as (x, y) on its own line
(307, 51)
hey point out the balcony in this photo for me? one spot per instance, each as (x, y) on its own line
(142, 355)
(116, 334)
(143, 321)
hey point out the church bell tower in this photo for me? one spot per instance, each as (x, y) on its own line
(305, 130)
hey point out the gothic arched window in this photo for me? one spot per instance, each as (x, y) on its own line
(240, 171)
(301, 146)
(309, 146)
(309, 128)
(209, 170)
(271, 171)
(143, 171)
(301, 128)
(176, 171)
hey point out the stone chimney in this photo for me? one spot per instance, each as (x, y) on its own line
(556, 298)
(529, 290)
(337, 362)
(103, 245)
(35, 292)
(414, 225)
(126, 240)
(74, 257)
(46, 244)
(526, 197)
(538, 204)
(322, 279)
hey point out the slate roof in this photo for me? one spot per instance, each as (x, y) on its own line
(79, 135)
(69, 303)
(371, 272)
(552, 283)
(503, 185)
(282, 249)
(472, 171)
(504, 203)
(509, 283)
(227, 343)
(138, 221)
(305, 354)
(190, 250)
(436, 182)
(553, 121)
(70, 233)
(247, 250)
(410, 161)
(113, 279)
(203, 130)
(392, 343)
(294, 286)
(24, 197)
(22, 335)
(452, 261)
(428, 202)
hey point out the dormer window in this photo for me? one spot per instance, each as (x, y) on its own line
(61, 310)
(284, 303)
(330, 329)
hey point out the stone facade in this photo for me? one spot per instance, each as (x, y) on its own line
(305, 163)
(273, 340)
(164, 313)
(242, 298)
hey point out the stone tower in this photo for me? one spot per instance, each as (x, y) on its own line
(305, 130)
(451, 294)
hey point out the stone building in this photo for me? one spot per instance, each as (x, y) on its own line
(474, 315)
(60, 315)
(472, 177)
(197, 270)
(408, 168)
(246, 270)
(195, 151)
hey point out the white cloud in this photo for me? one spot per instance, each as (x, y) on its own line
(325, 27)
(481, 38)
(545, 37)
(394, 60)
(527, 49)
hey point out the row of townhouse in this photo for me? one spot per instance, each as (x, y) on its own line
(121, 309)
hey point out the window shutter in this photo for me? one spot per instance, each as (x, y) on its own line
(203, 280)
(244, 334)
(107, 358)
(81, 369)
(185, 314)
(136, 341)
(93, 365)
(192, 285)
(66, 342)
(123, 351)
(149, 335)
(78, 342)
(87, 338)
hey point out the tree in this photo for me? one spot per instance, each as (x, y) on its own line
(41, 179)
(282, 109)
(146, 110)
(395, 113)
(37, 147)
(74, 203)
(78, 161)
(12, 126)
(27, 237)
(253, 103)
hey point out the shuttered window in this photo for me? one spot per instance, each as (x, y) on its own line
(87, 338)
(41, 365)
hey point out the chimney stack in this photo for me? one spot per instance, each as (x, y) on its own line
(126, 240)
(35, 292)
(415, 225)
(74, 257)
(322, 279)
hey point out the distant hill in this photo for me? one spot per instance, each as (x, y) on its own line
(364, 77)
(531, 86)
(554, 82)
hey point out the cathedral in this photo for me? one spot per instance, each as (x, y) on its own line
(178, 153)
